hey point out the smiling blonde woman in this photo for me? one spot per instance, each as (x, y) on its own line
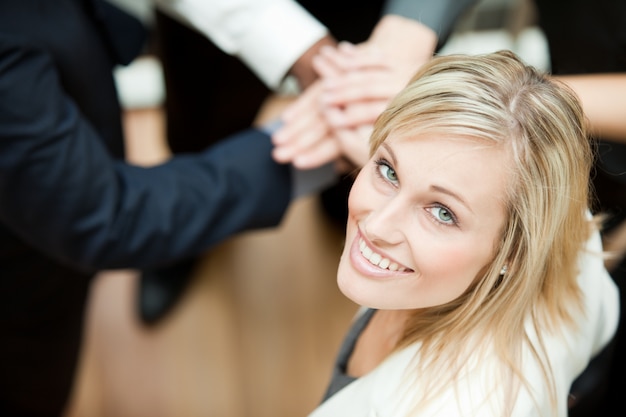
(470, 246)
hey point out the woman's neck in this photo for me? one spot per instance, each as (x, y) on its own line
(377, 341)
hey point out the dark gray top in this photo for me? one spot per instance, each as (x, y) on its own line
(340, 378)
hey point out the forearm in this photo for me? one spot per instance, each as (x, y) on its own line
(303, 69)
(414, 29)
(61, 191)
(440, 16)
(405, 42)
(603, 97)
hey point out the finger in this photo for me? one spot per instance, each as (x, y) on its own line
(299, 141)
(325, 68)
(361, 85)
(354, 143)
(335, 117)
(364, 55)
(294, 127)
(318, 155)
(351, 57)
(355, 114)
(307, 101)
(347, 58)
(298, 135)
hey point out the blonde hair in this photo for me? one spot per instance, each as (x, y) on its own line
(497, 98)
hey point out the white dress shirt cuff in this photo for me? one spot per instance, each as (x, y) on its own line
(267, 36)
(275, 41)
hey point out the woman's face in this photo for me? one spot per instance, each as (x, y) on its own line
(425, 214)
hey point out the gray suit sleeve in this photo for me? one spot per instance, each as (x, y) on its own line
(439, 15)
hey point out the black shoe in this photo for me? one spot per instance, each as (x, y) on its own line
(160, 289)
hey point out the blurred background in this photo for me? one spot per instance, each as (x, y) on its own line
(257, 330)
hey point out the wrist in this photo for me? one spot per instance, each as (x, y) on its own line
(303, 69)
(418, 41)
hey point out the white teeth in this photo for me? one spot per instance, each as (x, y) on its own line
(377, 259)
(367, 252)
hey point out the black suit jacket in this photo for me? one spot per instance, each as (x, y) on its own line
(69, 205)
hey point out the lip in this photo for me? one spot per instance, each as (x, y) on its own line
(362, 265)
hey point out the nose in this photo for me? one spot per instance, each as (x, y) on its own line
(386, 224)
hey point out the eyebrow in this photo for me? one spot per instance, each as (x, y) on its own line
(436, 188)
(393, 155)
(452, 194)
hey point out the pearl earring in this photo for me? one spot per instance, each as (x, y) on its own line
(503, 270)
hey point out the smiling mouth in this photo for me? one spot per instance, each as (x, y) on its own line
(378, 260)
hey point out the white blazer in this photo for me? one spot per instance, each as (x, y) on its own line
(383, 391)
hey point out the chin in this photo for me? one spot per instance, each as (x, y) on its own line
(356, 291)
(348, 287)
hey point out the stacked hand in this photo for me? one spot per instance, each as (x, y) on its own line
(333, 118)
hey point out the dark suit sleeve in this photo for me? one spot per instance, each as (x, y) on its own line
(61, 191)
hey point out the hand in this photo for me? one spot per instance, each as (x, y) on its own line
(303, 69)
(354, 146)
(334, 118)
(358, 82)
(305, 139)
(361, 84)
(374, 71)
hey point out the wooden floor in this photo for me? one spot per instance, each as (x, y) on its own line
(254, 336)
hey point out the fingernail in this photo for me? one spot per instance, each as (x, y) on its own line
(278, 137)
(279, 154)
(346, 45)
(300, 162)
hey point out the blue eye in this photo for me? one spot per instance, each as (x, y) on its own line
(386, 172)
(443, 215)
